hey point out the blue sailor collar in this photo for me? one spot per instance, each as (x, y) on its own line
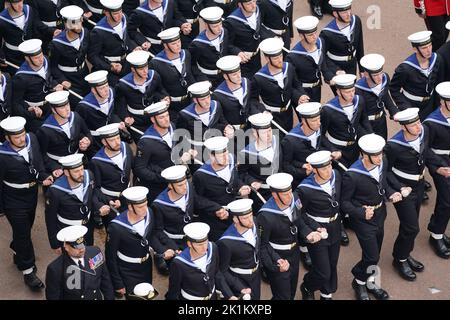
(232, 234)
(399, 138)
(26, 69)
(105, 26)
(129, 80)
(264, 71)
(239, 16)
(335, 105)
(359, 167)
(6, 148)
(299, 49)
(190, 110)
(208, 169)
(122, 220)
(161, 56)
(164, 199)
(186, 258)
(91, 101)
(223, 88)
(145, 8)
(5, 16)
(272, 207)
(310, 182)
(102, 156)
(204, 39)
(437, 117)
(251, 147)
(297, 131)
(363, 85)
(51, 122)
(333, 27)
(151, 133)
(63, 184)
(62, 38)
(413, 62)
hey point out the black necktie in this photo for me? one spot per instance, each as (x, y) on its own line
(80, 265)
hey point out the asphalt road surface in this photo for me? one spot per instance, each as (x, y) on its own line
(398, 20)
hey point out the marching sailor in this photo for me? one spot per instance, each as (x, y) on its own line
(276, 15)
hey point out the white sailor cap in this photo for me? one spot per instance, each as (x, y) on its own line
(174, 174)
(344, 81)
(31, 47)
(144, 290)
(229, 64)
(447, 25)
(372, 62)
(199, 89)
(240, 207)
(97, 78)
(73, 235)
(112, 5)
(170, 34)
(306, 24)
(271, 47)
(420, 38)
(261, 120)
(156, 108)
(443, 90)
(138, 58)
(407, 116)
(58, 98)
(71, 161)
(196, 231)
(135, 195)
(280, 182)
(340, 5)
(309, 109)
(71, 13)
(108, 131)
(319, 159)
(217, 144)
(13, 125)
(371, 143)
(211, 15)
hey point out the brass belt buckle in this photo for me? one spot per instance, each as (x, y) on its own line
(32, 184)
(143, 259)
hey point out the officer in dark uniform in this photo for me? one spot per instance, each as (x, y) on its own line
(344, 38)
(413, 82)
(98, 107)
(137, 90)
(21, 167)
(406, 152)
(276, 84)
(374, 88)
(235, 94)
(110, 42)
(276, 15)
(217, 183)
(130, 236)
(438, 164)
(174, 66)
(308, 58)
(71, 201)
(112, 168)
(260, 158)
(5, 97)
(320, 194)
(364, 188)
(88, 263)
(195, 273)
(19, 22)
(245, 33)
(279, 225)
(149, 19)
(209, 46)
(64, 132)
(68, 53)
(31, 84)
(239, 251)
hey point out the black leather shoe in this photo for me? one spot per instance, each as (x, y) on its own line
(425, 197)
(360, 291)
(428, 186)
(344, 237)
(440, 248)
(306, 294)
(377, 292)
(161, 266)
(415, 265)
(317, 11)
(98, 222)
(33, 282)
(306, 260)
(446, 241)
(404, 270)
